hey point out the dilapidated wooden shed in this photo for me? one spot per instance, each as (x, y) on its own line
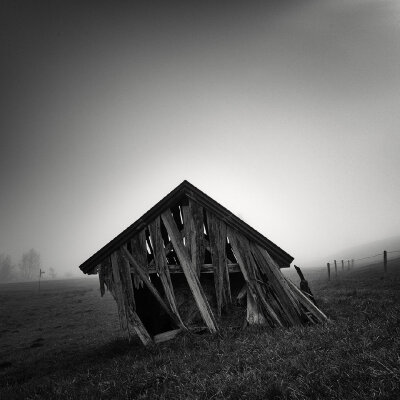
(189, 263)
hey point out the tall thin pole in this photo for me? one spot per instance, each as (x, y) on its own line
(342, 265)
(329, 271)
(40, 276)
(348, 264)
(335, 269)
(385, 262)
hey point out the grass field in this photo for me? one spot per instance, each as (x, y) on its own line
(65, 343)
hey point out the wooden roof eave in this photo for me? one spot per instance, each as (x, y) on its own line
(185, 189)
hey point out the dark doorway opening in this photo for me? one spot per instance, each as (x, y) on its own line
(153, 316)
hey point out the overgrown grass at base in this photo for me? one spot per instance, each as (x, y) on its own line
(357, 356)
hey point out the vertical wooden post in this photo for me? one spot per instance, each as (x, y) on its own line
(335, 269)
(352, 263)
(385, 262)
(348, 264)
(342, 265)
(329, 271)
(40, 276)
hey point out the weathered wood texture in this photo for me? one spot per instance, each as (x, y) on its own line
(251, 274)
(127, 314)
(217, 237)
(161, 266)
(176, 242)
(196, 235)
(147, 281)
(205, 268)
(307, 303)
(163, 337)
(138, 245)
(254, 315)
(189, 271)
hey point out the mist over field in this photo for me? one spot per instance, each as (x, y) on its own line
(284, 112)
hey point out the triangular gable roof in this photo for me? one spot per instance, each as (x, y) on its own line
(187, 189)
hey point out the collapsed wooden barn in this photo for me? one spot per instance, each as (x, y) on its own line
(189, 262)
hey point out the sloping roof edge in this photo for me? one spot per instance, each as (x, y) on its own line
(187, 189)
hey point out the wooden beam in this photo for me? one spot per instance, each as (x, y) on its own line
(164, 336)
(254, 314)
(205, 269)
(126, 313)
(140, 271)
(189, 271)
(241, 248)
(307, 303)
(285, 296)
(242, 293)
(101, 279)
(197, 245)
(187, 228)
(217, 236)
(118, 291)
(126, 278)
(161, 266)
(138, 245)
(139, 328)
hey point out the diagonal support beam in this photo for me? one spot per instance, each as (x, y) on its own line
(161, 266)
(149, 285)
(240, 246)
(188, 270)
(307, 303)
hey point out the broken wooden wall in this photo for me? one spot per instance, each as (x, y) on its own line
(192, 241)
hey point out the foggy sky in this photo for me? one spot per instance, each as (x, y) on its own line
(285, 112)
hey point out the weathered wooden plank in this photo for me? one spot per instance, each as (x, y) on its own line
(241, 248)
(139, 328)
(108, 279)
(189, 271)
(254, 314)
(205, 269)
(102, 279)
(197, 247)
(161, 265)
(163, 337)
(126, 278)
(213, 239)
(284, 295)
(188, 228)
(138, 245)
(307, 303)
(228, 281)
(127, 314)
(119, 297)
(271, 306)
(217, 237)
(242, 293)
(146, 280)
(265, 298)
(239, 255)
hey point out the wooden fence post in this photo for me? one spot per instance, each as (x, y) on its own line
(352, 263)
(348, 264)
(40, 276)
(335, 269)
(342, 265)
(329, 271)
(385, 262)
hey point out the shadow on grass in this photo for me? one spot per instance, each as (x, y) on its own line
(68, 361)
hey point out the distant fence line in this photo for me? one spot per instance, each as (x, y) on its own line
(350, 262)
